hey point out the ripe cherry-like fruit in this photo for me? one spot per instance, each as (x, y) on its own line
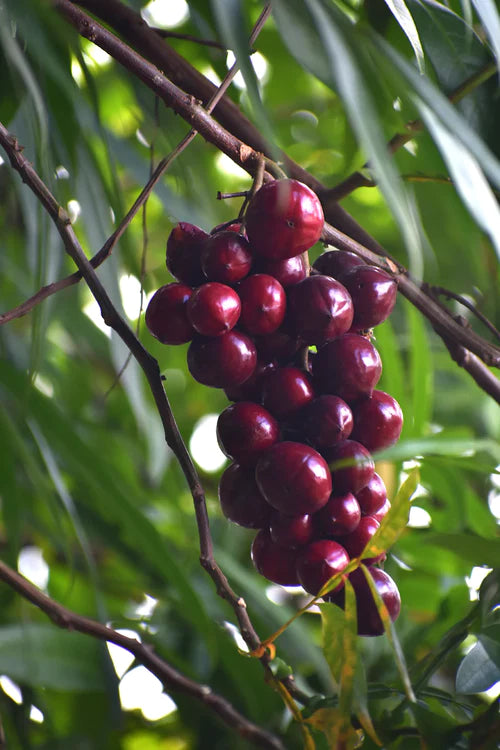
(222, 362)
(288, 271)
(378, 421)
(251, 389)
(320, 309)
(336, 262)
(294, 478)
(382, 511)
(286, 390)
(372, 496)
(183, 257)
(226, 257)
(373, 293)
(318, 562)
(213, 309)
(274, 562)
(369, 622)
(166, 314)
(281, 345)
(356, 541)
(351, 465)
(326, 420)
(291, 531)
(241, 500)
(263, 304)
(339, 516)
(245, 430)
(349, 367)
(283, 219)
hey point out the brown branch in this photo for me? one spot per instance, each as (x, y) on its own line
(469, 305)
(166, 34)
(172, 680)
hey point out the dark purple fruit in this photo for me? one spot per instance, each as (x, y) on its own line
(373, 293)
(351, 465)
(378, 421)
(283, 219)
(274, 562)
(291, 531)
(245, 430)
(222, 362)
(356, 541)
(372, 497)
(263, 304)
(335, 263)
(294, 478)
(183, 257)
(226, 257)
(288, 272)
(166, 314)
(369, 621)
(341, 515)
(213, 309)
(326, 420)
(286, 390)
(251, 389)
(320, 561)
(320, 309)
(349, 367)
(241, 500)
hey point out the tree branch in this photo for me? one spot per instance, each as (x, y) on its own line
(173, 680)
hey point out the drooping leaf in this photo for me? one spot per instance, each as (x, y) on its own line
(480, 668)
(394, 522)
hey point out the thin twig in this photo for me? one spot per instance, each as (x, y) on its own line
(166, 34)
(172, 680)
(469, 305)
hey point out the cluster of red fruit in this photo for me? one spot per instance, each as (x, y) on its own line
(292, 349)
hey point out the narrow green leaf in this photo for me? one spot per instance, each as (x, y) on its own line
(475, 549)
(350, 655)
(391, 636)
(45, 656)
(488, 13)
(467, 176)
(480, 668)
(400, 11)
(421, 373)
(441, 445)
(394, 522)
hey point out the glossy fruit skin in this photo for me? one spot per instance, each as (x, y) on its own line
(378, 421)
(320, 309)
(291, 531)
(283, 219)
(349, 367)
(288, 271)
(335, 263)
(241, 500)
(372, 496)
(166, 314)
(286, 390)
(373, 293)
(274, 562)
(382, 511)
(251, 389)
(222, 362)
(226, 257)
(351, 465)
(263, 304)
(369, 622)
(294, 478)
(281, 345)
(318, 562)
(183, 256)
(356, 541)
(341, 515)
(245, 430)
(213, 309)
(326, 421)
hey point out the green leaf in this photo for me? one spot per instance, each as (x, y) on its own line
(475, 549)
(45, 656)
(488, 13)
(394, 522)
(480, 668)
(400, 11)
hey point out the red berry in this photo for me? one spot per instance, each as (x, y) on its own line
(234, 226)
(263, 304)
(286, 390)
(320, 561)
(349, 367)
(274, 562)
(226, 257)
(280, 345)
(336, 262)
(369, 622)
(245, 430)
(339, 516)
(222, 362)
(320, 309)
(213, 309)
(166, 314)
(326, 420)
(291, 531)
(288, 271)
(351, 465)
(373, 293)
(183, 258)
(283, 219)
(294, 478)
(241, 500)
(378, 421)
(372, 497)
(251, 389)
(356, 541)
(382, 511)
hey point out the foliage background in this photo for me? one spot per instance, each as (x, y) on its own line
(87, 480)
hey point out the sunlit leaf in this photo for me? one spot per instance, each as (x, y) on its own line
(394, 522)
(488, 13)
(480, 668)
(400, 11)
